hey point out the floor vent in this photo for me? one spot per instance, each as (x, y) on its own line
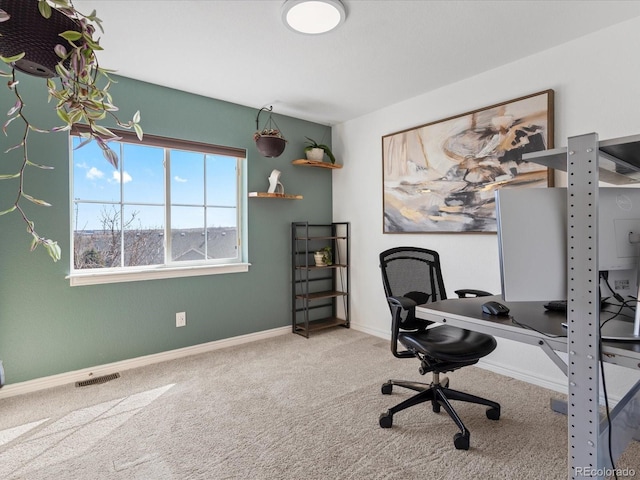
(97, 380)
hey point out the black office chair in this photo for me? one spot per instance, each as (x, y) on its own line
(411, 277)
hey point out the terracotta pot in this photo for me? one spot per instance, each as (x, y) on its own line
(269, 146)
(29, 32)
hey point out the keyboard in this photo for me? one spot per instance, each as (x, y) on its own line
(561, 305)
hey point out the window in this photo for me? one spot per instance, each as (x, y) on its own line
(171, 208)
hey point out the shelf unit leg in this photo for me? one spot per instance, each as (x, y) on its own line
(583, 307)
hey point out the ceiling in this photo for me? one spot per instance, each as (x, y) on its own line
(386, 51)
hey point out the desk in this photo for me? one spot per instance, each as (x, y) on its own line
(467, 313)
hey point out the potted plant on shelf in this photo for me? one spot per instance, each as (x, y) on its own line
(315, 151)
(323, 257)
(50, 38)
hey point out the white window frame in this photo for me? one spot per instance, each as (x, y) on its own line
(167, 270)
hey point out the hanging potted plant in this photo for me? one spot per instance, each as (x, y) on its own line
(269, 141)
(51, 39)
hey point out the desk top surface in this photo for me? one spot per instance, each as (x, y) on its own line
(527, 319)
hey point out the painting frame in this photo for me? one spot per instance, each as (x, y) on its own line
(440, 177)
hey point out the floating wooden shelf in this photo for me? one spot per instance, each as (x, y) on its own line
(315, 163)
(275, 195)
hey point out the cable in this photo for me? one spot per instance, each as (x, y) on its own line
(618, 313)
(622, 305)
(606, 406)
(616, 295)
(529, 327)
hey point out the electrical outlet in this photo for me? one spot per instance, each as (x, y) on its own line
(181, 319)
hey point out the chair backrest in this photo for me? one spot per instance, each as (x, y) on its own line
(412, 272)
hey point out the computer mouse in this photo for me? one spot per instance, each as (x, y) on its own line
(495, 308)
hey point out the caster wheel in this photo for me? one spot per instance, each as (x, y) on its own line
(387, 388)
(386, 420)
(461, 442)
(493, 413)
(435, 406)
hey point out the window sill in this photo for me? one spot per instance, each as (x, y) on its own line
(98, 278)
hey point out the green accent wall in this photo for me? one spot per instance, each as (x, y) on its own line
(48, 327)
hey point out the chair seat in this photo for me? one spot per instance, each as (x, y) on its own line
(449, 344)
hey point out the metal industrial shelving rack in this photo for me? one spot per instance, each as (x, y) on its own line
(319, 294)
(586, 161)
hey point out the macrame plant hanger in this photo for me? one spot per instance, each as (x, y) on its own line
(269, 140)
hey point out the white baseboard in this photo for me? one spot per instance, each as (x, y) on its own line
(525, 376)
(107, 369)
(386, 334)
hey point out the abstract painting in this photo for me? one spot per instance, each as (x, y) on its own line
(441, 177)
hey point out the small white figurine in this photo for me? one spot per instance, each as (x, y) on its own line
(274, 182)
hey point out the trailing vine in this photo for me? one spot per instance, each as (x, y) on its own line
(81, 95)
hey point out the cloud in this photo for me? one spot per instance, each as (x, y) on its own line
(94, 173)
(180, 179)
(126, 178)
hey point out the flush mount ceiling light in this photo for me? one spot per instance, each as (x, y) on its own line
(313, 16)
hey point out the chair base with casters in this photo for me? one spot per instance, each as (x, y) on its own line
(411, 277)
(439, 395)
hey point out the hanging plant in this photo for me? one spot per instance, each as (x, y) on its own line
(269, 141)
(51, 39)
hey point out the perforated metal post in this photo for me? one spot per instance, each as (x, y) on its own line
(583, 306)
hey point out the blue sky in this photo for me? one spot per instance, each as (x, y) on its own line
(141, 179)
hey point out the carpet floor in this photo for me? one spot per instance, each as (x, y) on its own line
(281, 408)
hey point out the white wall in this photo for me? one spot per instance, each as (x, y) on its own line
(596, 80)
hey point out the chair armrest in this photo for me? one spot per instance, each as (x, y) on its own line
(402, 320)
(403, 302)
(468, 292)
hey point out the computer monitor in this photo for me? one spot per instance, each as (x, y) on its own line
(532, 230)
